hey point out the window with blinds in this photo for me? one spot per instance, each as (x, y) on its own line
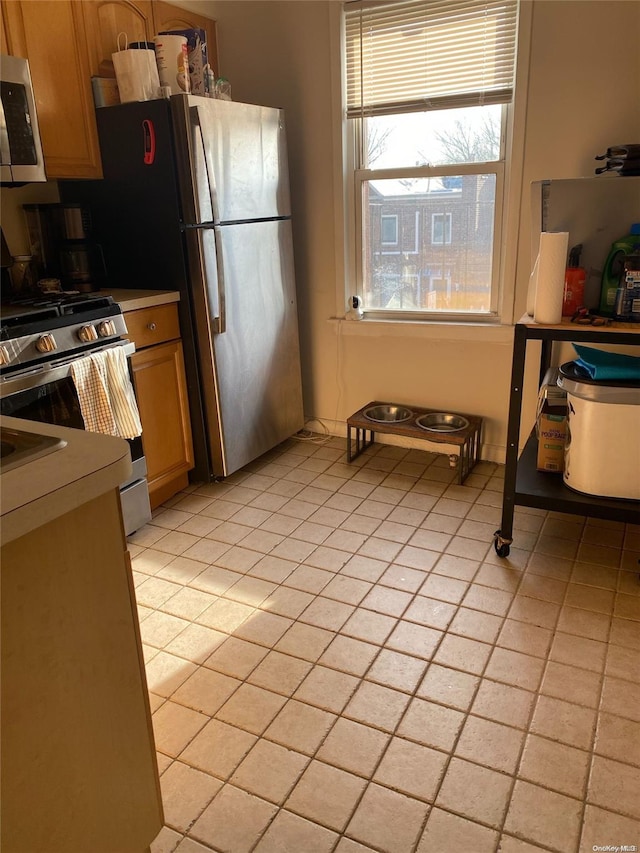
(427, 90)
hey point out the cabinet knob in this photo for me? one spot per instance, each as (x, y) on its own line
(152, 327)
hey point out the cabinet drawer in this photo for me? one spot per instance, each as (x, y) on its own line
(149, 326)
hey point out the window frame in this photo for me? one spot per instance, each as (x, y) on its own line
(356, 248)
(508, 240)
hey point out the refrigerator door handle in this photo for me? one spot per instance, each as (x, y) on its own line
(203, 176)
(216, 313)
(222, 312)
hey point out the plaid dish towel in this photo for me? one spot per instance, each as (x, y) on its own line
(105, 394)
(89, 375)
(123, 401)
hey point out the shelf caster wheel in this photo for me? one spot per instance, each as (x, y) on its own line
(501, 545)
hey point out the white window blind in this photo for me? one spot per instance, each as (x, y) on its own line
(419, 55)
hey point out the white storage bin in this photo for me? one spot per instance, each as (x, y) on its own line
(602, 455)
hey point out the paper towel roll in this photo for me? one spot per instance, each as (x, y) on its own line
(531, 292)
(552, 263)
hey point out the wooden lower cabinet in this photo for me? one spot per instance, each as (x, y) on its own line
(79, 768)
(161, 390)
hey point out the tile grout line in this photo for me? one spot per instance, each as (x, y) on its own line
(468, 713)
(397, 620)
(599, 711)
(311, 758)
(532, 712)
(594, 734)
(451, 752)
(369, 778)
(362, 679)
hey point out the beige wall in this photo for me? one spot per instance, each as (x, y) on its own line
(583, 95)
(584, 78)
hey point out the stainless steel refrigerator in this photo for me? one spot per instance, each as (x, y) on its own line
(196, 198)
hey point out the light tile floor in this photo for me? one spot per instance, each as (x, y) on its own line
(338, 661)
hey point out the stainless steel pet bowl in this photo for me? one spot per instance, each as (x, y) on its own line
(442, 422)
(387, 413)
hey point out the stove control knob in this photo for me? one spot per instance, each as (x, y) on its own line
(46, 343)
(87, 333)
(106, 328)
(4, 355)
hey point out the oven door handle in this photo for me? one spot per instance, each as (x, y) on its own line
(52, 371)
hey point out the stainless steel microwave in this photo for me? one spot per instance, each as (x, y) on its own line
(21, 159)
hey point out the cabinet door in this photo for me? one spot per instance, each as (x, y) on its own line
(105, 20)
(168, 17)
(4, 46)
(77, 738)
(51, 37)
(161, 390)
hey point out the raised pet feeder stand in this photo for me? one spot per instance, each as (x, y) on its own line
(460, 430)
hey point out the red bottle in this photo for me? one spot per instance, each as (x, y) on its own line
(574, 280)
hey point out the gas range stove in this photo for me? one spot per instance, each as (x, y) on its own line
(40, 343)
(56, 325)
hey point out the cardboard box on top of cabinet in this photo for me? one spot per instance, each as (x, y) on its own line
(105, 91)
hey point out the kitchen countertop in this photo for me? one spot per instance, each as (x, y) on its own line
(131, 300)
(45, 488)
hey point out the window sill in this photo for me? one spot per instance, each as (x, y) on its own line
(499, 333)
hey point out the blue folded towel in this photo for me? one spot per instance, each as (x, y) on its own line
(608, 365)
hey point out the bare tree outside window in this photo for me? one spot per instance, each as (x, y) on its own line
(441, 257)
(477, 142)
(377, 143)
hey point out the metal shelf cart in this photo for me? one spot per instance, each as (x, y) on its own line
(523, 484)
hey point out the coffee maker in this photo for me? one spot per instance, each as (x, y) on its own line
(62, 245)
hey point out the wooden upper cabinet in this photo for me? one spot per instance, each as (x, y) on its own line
(141, 20)
(105, 20)
(51, 37)
(67, 42)
(169, 17)
(4, 46)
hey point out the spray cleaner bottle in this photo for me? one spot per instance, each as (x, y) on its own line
(627, 307)
(614, 266)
